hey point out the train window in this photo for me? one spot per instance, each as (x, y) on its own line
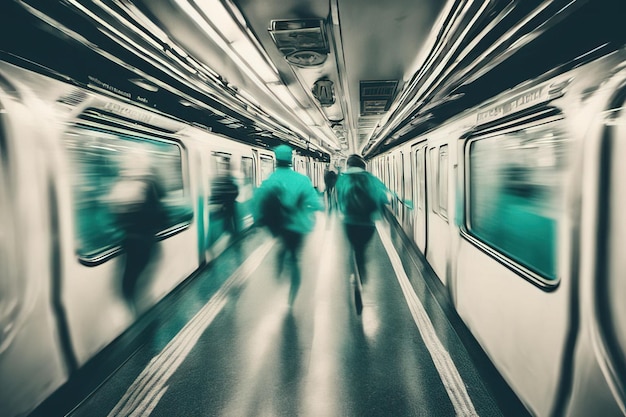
(99, 160)
(301, 167)
(421, 179)
(247, 186)
(221, 164)
(267, 167)
(433, 178)
(388, 175)
(515, 195)
(223, 180)
(403, 180)
(442, 181)
(401, 192)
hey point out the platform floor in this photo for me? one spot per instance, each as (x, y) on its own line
(230, 345)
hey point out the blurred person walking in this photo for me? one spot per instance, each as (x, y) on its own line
(286, 203)
(330, 179)
(361, 198)
(136, 203)
(224, 192)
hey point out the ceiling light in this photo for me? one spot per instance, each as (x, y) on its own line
(284, 95)
(145, 84)
(251, 55)
(221, 18)
(230, 37)
(304, 116)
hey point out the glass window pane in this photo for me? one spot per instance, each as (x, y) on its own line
(421, 179)
(433, 178)
(267, 167)
(99, 160)
(247, 186)
(516, 184)
(443, 180)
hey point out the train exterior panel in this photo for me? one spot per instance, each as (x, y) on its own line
(27, 317)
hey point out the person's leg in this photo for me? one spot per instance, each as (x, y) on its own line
(229, 219)
(329, 201)
(280, 256)
(138, 253)
(359, 236)
(293, 242)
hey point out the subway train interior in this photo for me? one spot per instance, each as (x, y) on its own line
(495, 284)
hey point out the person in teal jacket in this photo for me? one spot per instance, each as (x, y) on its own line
(286, 203)
(361, 198)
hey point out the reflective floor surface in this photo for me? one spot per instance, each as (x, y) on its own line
(232, 345)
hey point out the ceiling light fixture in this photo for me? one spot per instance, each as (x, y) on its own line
(284, 95)
(221, 27)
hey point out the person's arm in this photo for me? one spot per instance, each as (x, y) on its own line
(312, 198)
(383, 193)
(388, 195)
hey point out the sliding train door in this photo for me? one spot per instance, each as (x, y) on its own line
(600, 358)
(418, 174)
(35, 358)
(437, 219)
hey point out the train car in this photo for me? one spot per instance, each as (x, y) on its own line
(312, 168)
(516, 205)
(70, 159)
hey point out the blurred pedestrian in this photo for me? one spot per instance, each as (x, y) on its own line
(330, 179)
(224, 192)
(135, 201)
(361, 198)
(286, 203)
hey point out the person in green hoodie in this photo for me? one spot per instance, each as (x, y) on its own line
(361, 198)
(286, 203)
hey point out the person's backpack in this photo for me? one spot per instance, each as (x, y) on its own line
(358, 199)
(273, 213)
(330, 179)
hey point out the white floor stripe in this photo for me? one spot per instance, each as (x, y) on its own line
(448, 372)
(321, 378)
(145, 392)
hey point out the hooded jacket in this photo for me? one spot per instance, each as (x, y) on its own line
(297, 193)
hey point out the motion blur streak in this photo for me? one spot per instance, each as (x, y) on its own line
(322, 374)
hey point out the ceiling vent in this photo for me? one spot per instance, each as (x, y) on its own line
(376, 96)
(303, 42)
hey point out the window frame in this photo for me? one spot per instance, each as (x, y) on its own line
(467, 233)
(110, 250)
(443, 181)
(264, 162)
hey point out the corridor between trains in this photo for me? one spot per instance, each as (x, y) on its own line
(230, 345)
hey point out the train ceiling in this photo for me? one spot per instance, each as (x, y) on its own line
(331, 77)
